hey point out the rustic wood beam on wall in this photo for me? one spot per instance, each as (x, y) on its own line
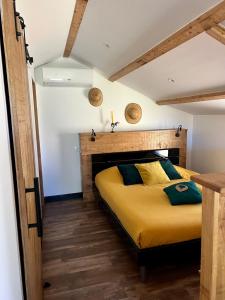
(203, 23)
(218, 33)
(194, 98)
(78, 14)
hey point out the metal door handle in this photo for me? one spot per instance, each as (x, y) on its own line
(38, 223)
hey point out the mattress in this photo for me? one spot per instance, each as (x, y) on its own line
(145, 211)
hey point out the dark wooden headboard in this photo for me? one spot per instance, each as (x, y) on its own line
(113, 148)
(107, 160)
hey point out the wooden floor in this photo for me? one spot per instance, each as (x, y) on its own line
(84, 258)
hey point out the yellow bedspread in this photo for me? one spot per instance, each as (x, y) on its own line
(145, 211)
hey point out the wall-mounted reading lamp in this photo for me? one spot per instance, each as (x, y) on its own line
(179, 128)
(93, 135)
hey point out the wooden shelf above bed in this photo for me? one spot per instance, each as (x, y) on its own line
(127, 141)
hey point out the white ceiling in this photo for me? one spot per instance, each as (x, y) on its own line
(196, 66)
(114, 32)
(130, 27)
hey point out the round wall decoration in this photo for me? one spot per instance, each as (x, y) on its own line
(95, 97)
(133, 113)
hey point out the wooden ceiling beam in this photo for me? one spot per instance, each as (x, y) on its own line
(78, 14)
(209, 19)
(218, 33)
(194, 98)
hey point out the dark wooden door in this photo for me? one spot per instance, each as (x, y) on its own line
(18, 88)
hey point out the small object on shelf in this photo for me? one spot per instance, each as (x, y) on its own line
(93, 135)
(113, 125)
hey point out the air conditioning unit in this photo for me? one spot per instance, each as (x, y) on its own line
(53, 76)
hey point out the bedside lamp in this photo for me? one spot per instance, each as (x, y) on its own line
(179, 128)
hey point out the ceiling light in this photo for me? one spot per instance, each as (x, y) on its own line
(171, 80)
(107, 45)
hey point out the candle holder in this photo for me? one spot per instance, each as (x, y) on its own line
(113, 125)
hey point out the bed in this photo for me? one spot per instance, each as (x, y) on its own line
(145, 211)
(146, 215)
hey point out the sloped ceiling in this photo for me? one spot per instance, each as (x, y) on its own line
(114, 32)
(48, 23)
(196, 66)
(130, 28)
(123, 32)
(214, 107)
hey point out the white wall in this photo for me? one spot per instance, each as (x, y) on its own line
(208, 152)
(10, 277)
(65, 111)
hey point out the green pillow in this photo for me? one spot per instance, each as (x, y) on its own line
(130, 174)
(168, 167)
(188, 194)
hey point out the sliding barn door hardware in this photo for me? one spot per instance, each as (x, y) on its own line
(35, 190)
(16, 14)
(22, 22)
(47, 285)
(29, 58)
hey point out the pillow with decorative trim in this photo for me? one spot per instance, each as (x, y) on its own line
(183, 193)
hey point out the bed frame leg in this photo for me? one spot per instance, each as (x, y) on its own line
(142, 261)
(143, 273)
(99, 201)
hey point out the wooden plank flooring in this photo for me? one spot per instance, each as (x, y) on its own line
(84, 258)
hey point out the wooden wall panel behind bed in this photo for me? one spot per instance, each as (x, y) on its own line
(126, 141)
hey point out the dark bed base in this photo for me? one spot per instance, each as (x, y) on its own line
(182, 250)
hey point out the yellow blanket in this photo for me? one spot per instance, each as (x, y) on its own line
(145, 211)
